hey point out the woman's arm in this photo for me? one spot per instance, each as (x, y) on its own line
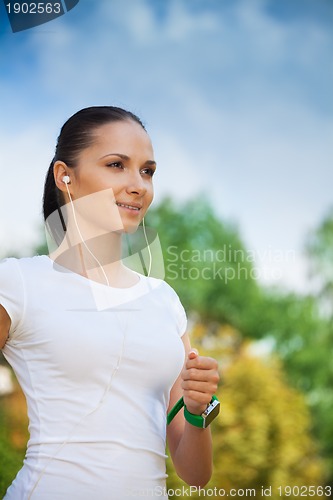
(4, 326)
(191, 447)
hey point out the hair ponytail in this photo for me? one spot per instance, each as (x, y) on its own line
(50, 198)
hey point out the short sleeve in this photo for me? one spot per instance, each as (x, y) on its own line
(11, 291)
(179, 312)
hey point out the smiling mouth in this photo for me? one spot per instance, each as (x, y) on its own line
(130, 207)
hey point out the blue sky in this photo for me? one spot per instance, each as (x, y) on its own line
(236, 95)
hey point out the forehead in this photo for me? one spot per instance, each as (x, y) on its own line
(126, 137)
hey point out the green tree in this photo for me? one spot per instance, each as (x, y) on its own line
(319, 249)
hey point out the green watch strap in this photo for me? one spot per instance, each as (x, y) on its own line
(202, 420)
(178, 406)
(206, 417)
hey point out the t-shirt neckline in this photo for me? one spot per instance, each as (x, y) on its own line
(94, 283)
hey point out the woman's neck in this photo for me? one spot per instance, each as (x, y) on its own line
(98, 259)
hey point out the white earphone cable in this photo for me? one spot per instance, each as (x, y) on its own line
(84, 243)
(148, 247)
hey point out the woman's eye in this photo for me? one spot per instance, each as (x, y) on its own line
(148, 171)
(115, 164)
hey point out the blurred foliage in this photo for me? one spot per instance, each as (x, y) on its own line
(265, 433)
(304, 341)
(13, 436)
(319, 249)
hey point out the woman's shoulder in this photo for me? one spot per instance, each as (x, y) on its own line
(161, 285)
(23, 262)
(23, 266)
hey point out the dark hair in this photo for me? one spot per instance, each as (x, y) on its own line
(77, 134)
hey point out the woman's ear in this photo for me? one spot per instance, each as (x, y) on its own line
(61, 174)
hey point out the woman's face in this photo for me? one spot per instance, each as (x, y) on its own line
(117, 169)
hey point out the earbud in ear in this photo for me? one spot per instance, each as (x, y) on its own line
(66, 179)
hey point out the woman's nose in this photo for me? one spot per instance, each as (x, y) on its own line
(136, 184)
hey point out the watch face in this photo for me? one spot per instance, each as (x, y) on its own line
(211, 412)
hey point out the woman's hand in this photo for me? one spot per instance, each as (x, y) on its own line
(199, 381)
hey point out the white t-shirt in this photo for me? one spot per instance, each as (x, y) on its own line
(96, 365)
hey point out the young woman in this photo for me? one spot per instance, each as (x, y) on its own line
(101, 351)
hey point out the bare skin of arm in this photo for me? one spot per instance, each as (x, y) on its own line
(5, 323)
(191, 447)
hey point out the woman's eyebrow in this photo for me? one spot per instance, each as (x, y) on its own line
(125, 157)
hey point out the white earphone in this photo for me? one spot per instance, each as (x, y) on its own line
(66, 179)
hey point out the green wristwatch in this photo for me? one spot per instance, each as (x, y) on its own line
(202, 420)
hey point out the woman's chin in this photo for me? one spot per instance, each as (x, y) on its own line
(128, 229)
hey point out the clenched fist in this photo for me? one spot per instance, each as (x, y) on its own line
(199, 381)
